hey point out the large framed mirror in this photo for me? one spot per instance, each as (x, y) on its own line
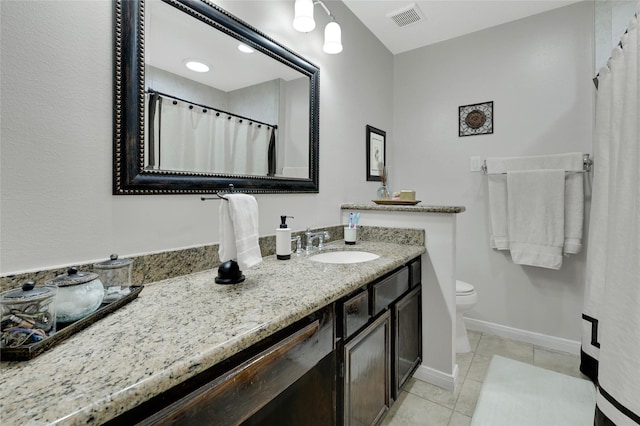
(252, 121)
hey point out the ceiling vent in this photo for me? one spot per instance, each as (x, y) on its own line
(406, 16)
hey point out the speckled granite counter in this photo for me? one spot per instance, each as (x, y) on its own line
(400, 208)
(174, 330)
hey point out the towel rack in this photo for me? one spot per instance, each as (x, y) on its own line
(587, 164)
(220, 196)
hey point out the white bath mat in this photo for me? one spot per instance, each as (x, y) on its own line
(519, 394)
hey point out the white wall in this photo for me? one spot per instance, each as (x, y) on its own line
(538, 73)
(56, 153)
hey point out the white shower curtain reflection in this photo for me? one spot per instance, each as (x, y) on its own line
(611, 314)
(258, 150)
(238, 145)
(172, 126)
(193, 139)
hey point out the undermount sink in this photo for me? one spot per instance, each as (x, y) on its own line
(344, 256)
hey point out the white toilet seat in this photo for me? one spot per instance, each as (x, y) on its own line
(464, 288)
(466, 298)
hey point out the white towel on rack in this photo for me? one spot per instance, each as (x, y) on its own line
(498, 211)
(536, 217)
(239, 230)
(573, 212)
(574, 195)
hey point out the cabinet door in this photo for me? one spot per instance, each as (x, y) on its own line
(367, 373)
(241, 392)
(408, 337)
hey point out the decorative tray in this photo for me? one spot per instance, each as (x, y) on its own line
(66, 330)
(397, 202)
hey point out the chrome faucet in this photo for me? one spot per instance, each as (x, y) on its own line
(298, 240)
(322, 236)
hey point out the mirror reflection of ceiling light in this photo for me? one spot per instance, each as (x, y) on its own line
(244, 48)
(196, 66)
(304, 23)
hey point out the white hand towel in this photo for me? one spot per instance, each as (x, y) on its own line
(498, 211)
(573, 212)
(535, 200)
(574, 195)
(239, 230)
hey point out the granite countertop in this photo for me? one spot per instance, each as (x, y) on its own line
(174, 330)
(403, 208)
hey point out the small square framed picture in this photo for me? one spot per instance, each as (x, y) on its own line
(475, 119)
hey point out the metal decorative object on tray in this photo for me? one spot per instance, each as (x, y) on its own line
(64, 331)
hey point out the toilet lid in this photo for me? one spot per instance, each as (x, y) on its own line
(463, 287)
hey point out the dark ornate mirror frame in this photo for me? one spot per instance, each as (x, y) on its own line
(129, 175)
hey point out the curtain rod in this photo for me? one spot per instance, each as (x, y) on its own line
(155, 92)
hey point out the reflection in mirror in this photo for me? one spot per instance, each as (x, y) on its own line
(251, 120)
(232, 116)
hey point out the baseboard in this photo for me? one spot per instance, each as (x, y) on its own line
(538, 339)
(437, 377)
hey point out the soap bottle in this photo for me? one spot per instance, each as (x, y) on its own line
(283, 239)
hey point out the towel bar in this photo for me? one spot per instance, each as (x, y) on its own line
(218, 196)
(587, 164)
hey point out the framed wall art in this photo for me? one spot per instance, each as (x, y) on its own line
(475, 119)
(376, 149)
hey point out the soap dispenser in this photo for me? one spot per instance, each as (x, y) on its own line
(283, 239)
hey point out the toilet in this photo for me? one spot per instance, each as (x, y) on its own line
(466, 298)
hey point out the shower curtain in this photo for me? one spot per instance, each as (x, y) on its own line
(611, 314)
(191, 138)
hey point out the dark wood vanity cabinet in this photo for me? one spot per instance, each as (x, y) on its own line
(380, 344)
(344, 364)
(287, 379)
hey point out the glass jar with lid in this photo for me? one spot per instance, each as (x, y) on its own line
(115, 275)
(28, 315)
(79, 294)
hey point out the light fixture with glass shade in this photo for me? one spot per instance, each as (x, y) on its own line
(332, 38)
(303, 22)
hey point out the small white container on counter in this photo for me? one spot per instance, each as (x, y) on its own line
(79, 294)
(350, 235)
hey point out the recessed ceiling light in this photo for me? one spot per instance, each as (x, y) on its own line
(196, 66)
(244, 48)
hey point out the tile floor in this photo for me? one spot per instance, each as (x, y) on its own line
(424, 404)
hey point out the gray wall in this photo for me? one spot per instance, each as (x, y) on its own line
(183, 88)
(538, 73)
(56, 107)
(57, 119)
